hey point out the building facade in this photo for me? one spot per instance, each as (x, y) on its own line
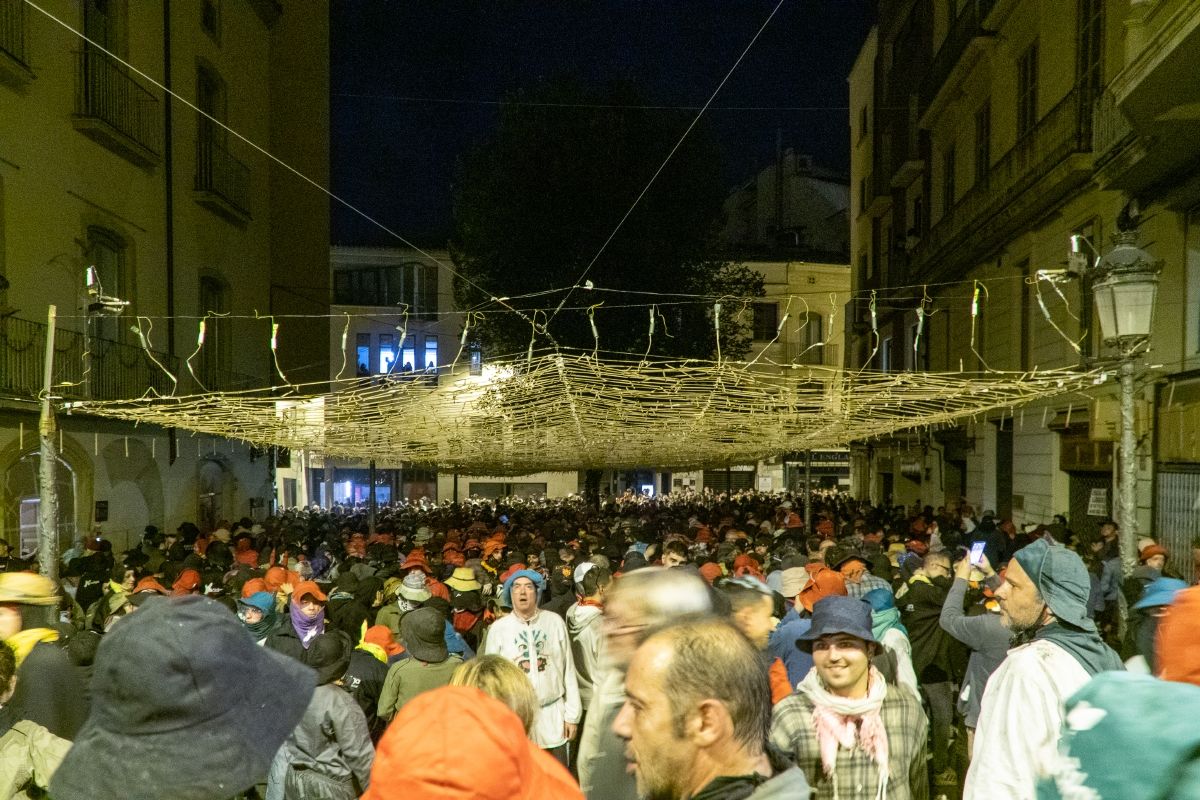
(110, 186)
(394, 318)
(987, 134)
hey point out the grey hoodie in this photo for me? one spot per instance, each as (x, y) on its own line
(583, 627)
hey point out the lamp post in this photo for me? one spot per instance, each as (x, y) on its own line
(1125, 289)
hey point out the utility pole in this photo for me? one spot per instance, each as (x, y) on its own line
(371, 499)
(47, 472)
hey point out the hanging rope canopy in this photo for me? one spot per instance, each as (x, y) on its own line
(559, 411)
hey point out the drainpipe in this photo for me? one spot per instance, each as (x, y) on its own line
(169, 181)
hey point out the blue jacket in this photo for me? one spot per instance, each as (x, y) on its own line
(782, 644)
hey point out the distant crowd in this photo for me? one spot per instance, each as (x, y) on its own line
(713, 647)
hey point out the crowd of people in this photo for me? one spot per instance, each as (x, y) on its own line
(714, 647)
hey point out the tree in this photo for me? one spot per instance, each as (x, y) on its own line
(535, 202)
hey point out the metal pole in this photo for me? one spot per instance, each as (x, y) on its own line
(371, 498)
(48, 489)
(808, 492)
(1127, 505)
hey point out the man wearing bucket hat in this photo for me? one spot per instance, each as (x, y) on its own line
(429, 665)
(173, 680)
(49, 690)
(538, 643)
(852, 733)
(410, 593)
(1043, 602)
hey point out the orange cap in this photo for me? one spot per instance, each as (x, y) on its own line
(309, 588)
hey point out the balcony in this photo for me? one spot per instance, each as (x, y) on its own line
(966, 30)
(222, 181)
(14, 68)
(1042, 168)
(104, 371)
(1145, 122)
(116, 111)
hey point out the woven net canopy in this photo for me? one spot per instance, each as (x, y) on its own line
(570, 411)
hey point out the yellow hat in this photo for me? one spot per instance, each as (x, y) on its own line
(29, 589)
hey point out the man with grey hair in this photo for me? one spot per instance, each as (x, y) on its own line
(1057, 649)
(697, 716)
(636, 602)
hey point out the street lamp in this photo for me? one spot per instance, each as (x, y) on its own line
(1125, 289)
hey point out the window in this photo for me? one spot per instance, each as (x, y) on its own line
(885, 354)
(107, 253)
(1089, 69)
(431, 353)
(948, 158)
(1027, 90)
(413, 285)
(862, 123)
(362, 355)
(864, 266)
(387, 353)
(918, 217)
(812, 343)
(210, 18)
(887, 242)
(766, 321)
(408, 354)
(215, 353)
(983, 142)
(476, 359)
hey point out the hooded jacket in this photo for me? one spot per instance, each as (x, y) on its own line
(583, 626)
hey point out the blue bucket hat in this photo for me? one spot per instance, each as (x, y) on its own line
(837, 614)
(263, 601)
(1061, 578)
(506, 592)
(1160, 592)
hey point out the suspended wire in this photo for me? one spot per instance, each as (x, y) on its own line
(329, 193)
(542, 104)
(667, 160)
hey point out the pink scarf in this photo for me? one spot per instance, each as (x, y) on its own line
(842, 723)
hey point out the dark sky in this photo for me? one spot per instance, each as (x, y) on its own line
(415, 84)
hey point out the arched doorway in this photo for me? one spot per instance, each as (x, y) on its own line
(23, 503)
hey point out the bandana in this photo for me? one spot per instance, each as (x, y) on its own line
(842, 722)
(307, 629)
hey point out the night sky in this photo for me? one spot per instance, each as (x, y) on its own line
(415, 84)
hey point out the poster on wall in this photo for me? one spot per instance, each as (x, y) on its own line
(766, 483)
(1098, 503)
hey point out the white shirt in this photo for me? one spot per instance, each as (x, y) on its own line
(1022, 714)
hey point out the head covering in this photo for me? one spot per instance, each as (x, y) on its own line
(254, 585)
(1178, 640)
(26, 588)
(503, 765)
(186, 583)
(838, 614)
(263, 601)
(424, 635)
(306, 627)
(1061, 578)
(711, 571)
(792, 581)
(492, 546)
(884, 614)
(463, 580)
(175, 673)
(1125, 713)
(381, 637)
(309, 589)
(1160, 592)
(824, 583)
(846, 558)
(149, 584)
(1150, 551)
(454, 558)
(416, 560)
(413, 589)
(538, 581)
(329, 655)
(581, 571)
